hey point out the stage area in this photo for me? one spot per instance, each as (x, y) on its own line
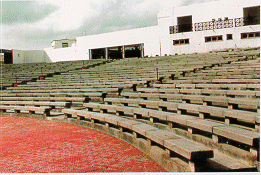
(39, 146)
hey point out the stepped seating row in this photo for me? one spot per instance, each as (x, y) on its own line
(214, 81)
(118, 67)
(59, 89)
(228, 102)
(230, 71)
(106, 77)
(227, 116)
(221, 74)
(91, 82)
(127, 85)
(217, 132)
(210, 86)
(225, 76)
(250, 69)
(53, 105)
(206, 92)
(27, 67)
(77, 79)
(193, 155)
(31, 109)
(22, 73)
(59, 94)
(75, 98)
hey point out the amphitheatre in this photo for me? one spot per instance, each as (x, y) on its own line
(181, 96)
(202, 117)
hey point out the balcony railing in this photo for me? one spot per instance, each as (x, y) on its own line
(220, 24)
(246, 21)
(211, 25)
(181, 28)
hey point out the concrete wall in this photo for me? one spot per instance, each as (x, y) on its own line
(30, 56)
(62, 54)
(164, 21)
(198, 44)
(148, 35)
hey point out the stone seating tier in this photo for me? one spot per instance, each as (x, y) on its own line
(242, 136)
(187, 150)
(227, 116)
(228, 102)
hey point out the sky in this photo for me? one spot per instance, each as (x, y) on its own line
(33, 25)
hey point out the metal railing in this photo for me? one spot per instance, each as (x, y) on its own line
(181, 28)
(211, 25)
(246, 21)
(220, 24)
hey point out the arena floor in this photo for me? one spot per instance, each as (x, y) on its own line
(39, 146)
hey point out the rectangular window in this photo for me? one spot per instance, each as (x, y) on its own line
(251, 15)
(213, 38)
(64, 45)
(250, 35)
(184, 24)
(181, 42)
(229, 36)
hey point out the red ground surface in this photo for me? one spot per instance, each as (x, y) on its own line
(38, 146)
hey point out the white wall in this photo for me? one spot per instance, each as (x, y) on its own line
(29, 56)
(18, 56)
(164, 21)
(206, 12)
(148, 35)
(62, 54)
(198, 44)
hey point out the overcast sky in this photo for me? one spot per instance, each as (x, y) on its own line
(33, 25)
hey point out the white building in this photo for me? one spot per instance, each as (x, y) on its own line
(214, 25)
(194, 28)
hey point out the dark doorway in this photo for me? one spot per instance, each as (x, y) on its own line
(8, 56)
(251, 15)
(98, 53)
(133, 51)
(185, 24)
(115, 52)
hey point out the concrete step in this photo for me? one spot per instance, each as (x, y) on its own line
(222, 162)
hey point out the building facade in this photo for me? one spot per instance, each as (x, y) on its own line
(214, 26)
(188, 29)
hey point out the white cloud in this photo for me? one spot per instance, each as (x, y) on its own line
(70, 15)
(166, 4)
(72, 18)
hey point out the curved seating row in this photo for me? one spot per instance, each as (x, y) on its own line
(207, 92)
(194, 154)
(216, 131)
(228, 102)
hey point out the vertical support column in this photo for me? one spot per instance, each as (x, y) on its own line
(142, 50)
(90, 54)
(106, 53)
(123, 51)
